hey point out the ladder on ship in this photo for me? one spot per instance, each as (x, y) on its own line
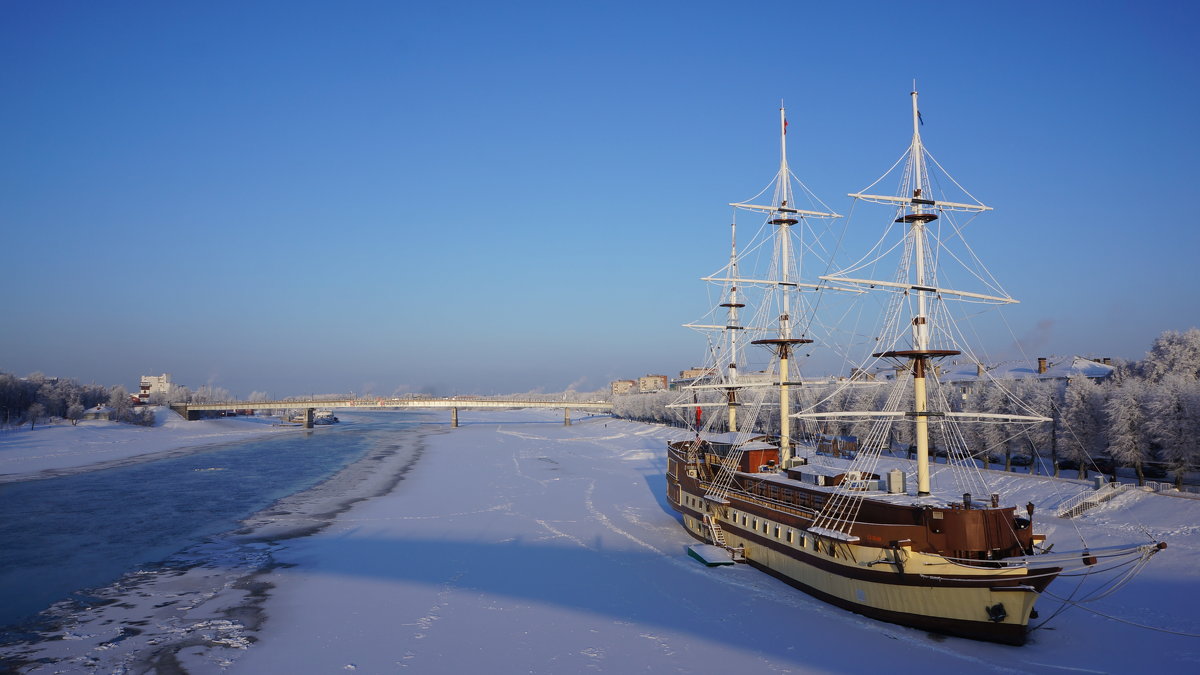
(718, 537)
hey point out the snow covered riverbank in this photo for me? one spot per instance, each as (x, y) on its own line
(516, 544)
(60, 448)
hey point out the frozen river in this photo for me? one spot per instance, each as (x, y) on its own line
(61, 536)
(515, 544)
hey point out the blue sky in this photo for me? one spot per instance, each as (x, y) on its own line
(302, 197)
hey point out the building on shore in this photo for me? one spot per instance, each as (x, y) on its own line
(98, 412)
(152, 385)
(619, 387)
(649, 383)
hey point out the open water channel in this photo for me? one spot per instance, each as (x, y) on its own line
(62, 536)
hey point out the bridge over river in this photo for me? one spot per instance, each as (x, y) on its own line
(195, 411)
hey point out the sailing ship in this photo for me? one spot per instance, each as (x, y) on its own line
(954, 559)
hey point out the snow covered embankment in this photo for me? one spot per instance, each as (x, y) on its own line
(60, 448)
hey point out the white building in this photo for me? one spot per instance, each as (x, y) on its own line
(154, 384)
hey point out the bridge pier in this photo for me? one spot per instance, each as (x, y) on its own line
(308, 417)
(566, 417)
(454, 418)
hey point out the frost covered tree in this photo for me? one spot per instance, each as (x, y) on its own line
(35, 413)
(1037, 398)
(1173, 353)
(652, 408)
(834, 398)
(54, 398)
(973, 434)
(995, 436)
(1128, 426)
(177, 393)
(118, 400)
(75, 413)
(1080, 431)
(209, 394)
(1175, 423)
(864, 397)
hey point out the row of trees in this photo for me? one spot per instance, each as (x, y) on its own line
(1146, 416)
(36, 398)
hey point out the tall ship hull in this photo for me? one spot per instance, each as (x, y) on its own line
(890, 566)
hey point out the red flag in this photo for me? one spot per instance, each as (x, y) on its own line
(785, 127)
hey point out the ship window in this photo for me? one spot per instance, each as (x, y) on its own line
(756, 523)
(764, 527)
(790, 536)
(743, 519)
(803, 542)
(776, 532)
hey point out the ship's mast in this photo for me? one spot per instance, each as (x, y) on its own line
(783, 218)
(732, 327)
(781, 213)
(919, 282)
(917, 222)
(920, 355)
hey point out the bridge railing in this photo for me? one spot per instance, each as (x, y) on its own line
(408, 402)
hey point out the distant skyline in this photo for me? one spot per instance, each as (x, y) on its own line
(384, 197)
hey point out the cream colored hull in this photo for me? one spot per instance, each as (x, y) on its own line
(931, 592)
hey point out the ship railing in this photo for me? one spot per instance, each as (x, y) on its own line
(801, 511)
